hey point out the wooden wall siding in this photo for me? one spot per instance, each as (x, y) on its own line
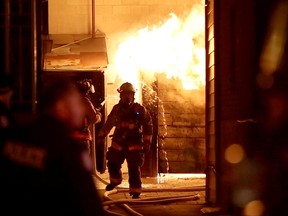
(210, 104)
(183, 124)
(235, 85)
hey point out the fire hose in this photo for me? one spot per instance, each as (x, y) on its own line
(155, 200)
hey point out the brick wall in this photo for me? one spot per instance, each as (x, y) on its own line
(181, 119)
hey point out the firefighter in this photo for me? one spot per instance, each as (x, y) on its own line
(132, 138)
(92, 115)
(44, 170)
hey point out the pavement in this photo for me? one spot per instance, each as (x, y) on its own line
(166, 194)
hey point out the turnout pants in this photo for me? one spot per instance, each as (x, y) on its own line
(134, 159)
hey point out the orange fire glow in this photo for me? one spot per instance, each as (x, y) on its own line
(176, 48)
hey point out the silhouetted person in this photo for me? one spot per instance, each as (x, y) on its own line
(92, 115)
(44, 171)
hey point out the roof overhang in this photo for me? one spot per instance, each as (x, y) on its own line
(75, 52)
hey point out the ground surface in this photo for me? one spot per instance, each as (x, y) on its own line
(169, 195)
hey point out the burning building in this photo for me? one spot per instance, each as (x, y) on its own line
(165, 60)
(203, 85)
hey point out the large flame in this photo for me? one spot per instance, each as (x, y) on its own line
(176, 48)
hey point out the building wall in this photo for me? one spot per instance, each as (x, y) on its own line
(235, 69)
(112, 16)
(210, 103)
(181, 120)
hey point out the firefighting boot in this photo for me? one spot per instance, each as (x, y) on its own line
(110, 186)
(134, 195)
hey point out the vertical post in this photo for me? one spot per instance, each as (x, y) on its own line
(93, 149)
(37, 64)
(35, 55)
(93, 19)
(7, 36)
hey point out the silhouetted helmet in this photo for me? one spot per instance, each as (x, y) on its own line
(86, 86)
(126, 87)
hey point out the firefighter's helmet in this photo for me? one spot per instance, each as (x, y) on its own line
(126, 87)
(86, 86)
